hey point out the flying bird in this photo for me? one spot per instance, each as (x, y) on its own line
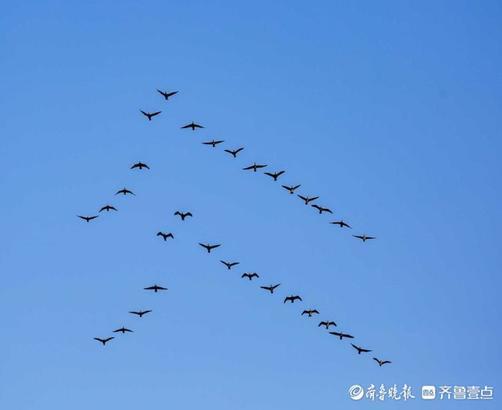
(292, 299)
(209, 247)
(253, 167)
(234, 152)
(122, 330)
(360, 349)
(150, 115)
(291, 189)
(165, 235)
(364, 238)
(271, 288)
(108, 208)
(275, 175)
(341, 335)
(87, 218)
(381, 362)
(213, 143)
(124, 191)
(104, 341)
(308, 199)
(140, 313)
(167, 94)
(341, 224)
(250, 276)
(192, 125)
(155, 288)
(229, 265)
(183, 215)
(326, 324)
(310, 312)
(321, 209)
(140, 165)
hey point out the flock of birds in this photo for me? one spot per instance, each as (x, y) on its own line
(209, 247)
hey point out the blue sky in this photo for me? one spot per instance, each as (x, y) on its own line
(391, 112)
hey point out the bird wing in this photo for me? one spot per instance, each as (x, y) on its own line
(153, 114)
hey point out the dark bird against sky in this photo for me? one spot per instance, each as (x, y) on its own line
(360, 349)
(165, 236)
(326, 324)
(381, 362)
(139, 165)
(192, 125)
(321, 209)
(125, 191)
(254, 167)
(364, 238)
(250, 276)
(104, 341)
(229, 265)
(275, 175)
(213, 143)
(209, 247)
(341, 335)
(290, 188)
(122, 330)
(155, 288)
(310, 312)
(341, 224)
(167, 94)
(271, 288)
(150, 115)
(87, 218)
(292, 299)
(234, 152)
(108, 208)
(139, 313)
(307, 199)
(183, 215)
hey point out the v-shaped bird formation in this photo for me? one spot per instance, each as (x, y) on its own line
(210, 247)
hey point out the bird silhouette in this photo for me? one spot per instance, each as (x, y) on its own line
(234, 152)
(310, 312)
(326, 324)
(87, 218)
(124, 191)
(341, 224)
(192, 125)
(271, 288)
(321, 209)
(140, 313)
(341, 335)
(183, 215)
(253, 167)
(140, 165)
(209, 247)
(307, 199)
(104, 341)
(229, 265)
(381, 362)
(292, 299)
(107, 208)
(274, 175)
(360, 349)
(291, 189)
(213, 143)
(155, 288)
(150, 115)
(250, 276)
(167, 94)
(165, 235)
(364, 238)
(122, 330)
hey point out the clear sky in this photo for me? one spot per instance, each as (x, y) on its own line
(389, 111)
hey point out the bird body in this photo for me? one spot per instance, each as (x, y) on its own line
(310, 312)
(209, 247)
(360, 349)
(104, 341)
(292, 299)
(213, 143)
(326, 324)
(122, 330)
(140, 313)
(229, 265)
(275, 175)
(183, 215)
(125, 191)
(108, 208)
(271, 288)
(192, 125)
(87, 218)
(322, 209)
(341, 224)
(381, 362)
(290, 188)
(254, 167)
(364, 238)
(139, 165)
(155, 288)
(167, 94)
(341, 335)
(234, 152)
(150, 115)
(307, 199)
(165, 235)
